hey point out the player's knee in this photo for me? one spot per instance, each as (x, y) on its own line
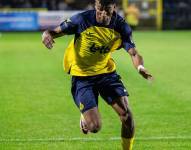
(94, 126)
(127, 118)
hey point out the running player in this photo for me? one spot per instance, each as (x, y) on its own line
(88, 60)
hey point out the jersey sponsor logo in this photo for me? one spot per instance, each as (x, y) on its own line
(89, 34)
(100, 49)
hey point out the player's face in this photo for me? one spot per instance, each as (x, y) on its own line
(104, 13)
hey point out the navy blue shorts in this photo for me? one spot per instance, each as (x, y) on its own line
(85, 90)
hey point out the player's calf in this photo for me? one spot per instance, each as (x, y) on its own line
(92, 119)
(127, 129)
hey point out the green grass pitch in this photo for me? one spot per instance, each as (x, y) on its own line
(37, 111)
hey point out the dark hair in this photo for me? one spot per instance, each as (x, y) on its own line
(107, 2)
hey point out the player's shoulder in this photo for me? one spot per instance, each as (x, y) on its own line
(87, 15)
(121, 24)
(87, 12)
(119, 17)
(120, 20)
(84, 15)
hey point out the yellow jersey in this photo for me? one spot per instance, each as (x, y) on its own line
(89, 53)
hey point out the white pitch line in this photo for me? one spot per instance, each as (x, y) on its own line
(94, 139)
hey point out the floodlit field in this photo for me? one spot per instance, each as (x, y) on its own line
(37, 110)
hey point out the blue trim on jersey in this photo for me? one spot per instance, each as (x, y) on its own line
(81, 21)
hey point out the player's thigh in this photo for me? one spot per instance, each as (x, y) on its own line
(120, 105)
(122, 108)
(84, 94)
(113, 91)
(111, 88)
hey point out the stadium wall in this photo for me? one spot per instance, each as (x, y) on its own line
(32, 21)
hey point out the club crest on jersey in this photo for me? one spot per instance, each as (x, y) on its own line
(81, 106)
(100, 49)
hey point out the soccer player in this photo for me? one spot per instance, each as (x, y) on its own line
(88, 60)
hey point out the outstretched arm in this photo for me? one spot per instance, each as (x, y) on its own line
(67, 27)
(48, 36)
(137, 60)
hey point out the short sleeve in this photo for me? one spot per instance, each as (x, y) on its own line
(70, 26)
(126, 34)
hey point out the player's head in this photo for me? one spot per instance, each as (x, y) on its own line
(104, 10)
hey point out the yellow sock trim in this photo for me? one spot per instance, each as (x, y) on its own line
(127, 144)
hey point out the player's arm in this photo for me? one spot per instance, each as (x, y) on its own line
(129, 45)
(48, 36)
(68, 27)
(138, 62)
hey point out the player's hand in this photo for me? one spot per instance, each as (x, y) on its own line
(146, 74)
(47, 40)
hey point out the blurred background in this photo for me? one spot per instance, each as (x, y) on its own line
(36, 107)
(34, 15)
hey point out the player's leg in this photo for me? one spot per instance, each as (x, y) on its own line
(114, 93)
(86, 98)
(127, 130)
(92, 119)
